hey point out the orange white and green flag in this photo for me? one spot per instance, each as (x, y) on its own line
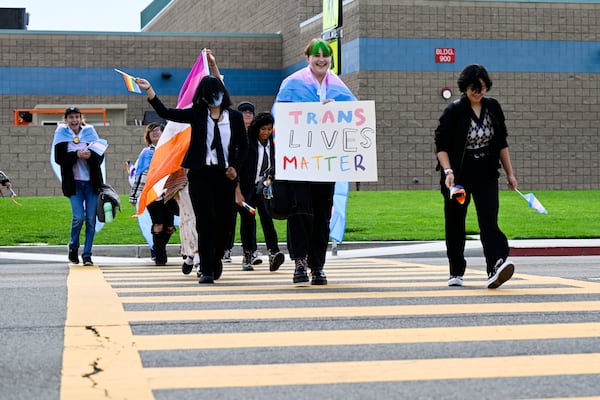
(174, 141)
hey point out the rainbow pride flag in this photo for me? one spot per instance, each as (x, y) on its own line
(130, 82)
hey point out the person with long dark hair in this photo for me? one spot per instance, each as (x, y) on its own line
(218, 148)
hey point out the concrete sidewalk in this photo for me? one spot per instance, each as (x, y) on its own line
(520, 248)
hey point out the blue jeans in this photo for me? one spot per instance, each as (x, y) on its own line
(83, 207)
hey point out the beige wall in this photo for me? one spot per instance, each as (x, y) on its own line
(26, 157)
(553, 118)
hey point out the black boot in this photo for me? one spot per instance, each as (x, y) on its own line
(301, 271)
(247, 261)
(318, 277)
(160, 248)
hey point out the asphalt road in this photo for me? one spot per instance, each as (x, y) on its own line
(386, 326)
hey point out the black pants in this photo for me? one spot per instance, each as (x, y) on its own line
(308, 222)
(231, 238)
(248, 226)
(481, 184)
(213, 199)
(163, 213)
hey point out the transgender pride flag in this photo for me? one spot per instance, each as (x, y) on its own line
(302, 87)
(174, 141)
(533, 202)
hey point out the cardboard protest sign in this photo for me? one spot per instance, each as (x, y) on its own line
(326, 142)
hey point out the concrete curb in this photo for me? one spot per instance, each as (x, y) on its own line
(554, 251)
(518, 248)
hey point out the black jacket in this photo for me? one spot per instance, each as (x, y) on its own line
(451, 133)
(195, 157)
(66, 159)
(248, 171)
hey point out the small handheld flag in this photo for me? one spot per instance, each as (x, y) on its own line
(13, 197)
(99, 146)
(533, 202)
(458, 193)
(129, 82)
(248, 207)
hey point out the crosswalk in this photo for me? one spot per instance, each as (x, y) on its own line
(382, 328)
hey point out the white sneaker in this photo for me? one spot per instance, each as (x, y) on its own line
(455, 281)
(256, 258)
(503, 271)
(227, 256)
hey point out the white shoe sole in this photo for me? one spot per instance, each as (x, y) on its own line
(455, 282)
(504, 273)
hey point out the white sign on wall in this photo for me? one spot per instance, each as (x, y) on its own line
(326, 142)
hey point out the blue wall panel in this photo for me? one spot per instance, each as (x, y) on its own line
(382, 54)
(366, 54)
(105, 81)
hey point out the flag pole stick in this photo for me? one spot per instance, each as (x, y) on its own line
(517, 190)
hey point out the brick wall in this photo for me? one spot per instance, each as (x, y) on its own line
(26, 157)
(552, 117)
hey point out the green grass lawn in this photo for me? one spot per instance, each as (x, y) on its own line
(381, 216)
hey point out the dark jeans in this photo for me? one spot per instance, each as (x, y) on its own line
(308, 222)
(248, 226)
(481, 184)
(83, 207)
(213, 200)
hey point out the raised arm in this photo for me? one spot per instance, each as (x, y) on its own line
(212, 63)
(145, 85)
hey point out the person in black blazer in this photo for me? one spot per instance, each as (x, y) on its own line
(261, 157)
(217, 150)
(471, 144)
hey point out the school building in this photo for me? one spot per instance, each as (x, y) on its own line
(543, 57)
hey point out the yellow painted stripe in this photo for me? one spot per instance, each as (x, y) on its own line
(150, 276)
(380, 311)
(229, 280)
(372, 371)
(368, 336)
(303, 295)
(221, 286)
(98, 335)
(566, 398)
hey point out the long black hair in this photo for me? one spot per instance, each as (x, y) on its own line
(207, 90)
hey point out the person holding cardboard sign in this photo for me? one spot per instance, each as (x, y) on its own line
(308, 221)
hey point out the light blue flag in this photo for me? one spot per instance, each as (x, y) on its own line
(301, 87)
(533, 202)
(337, 224)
